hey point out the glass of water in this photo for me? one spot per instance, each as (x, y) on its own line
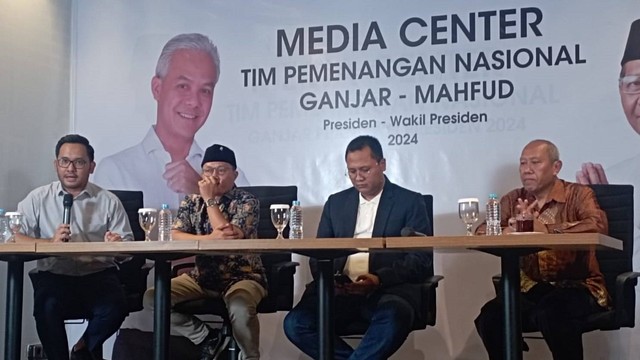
(14, 219)
(279, 217)
(147, 218)
(469, 212)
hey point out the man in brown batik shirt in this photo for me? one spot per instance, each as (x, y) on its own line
(557, 286)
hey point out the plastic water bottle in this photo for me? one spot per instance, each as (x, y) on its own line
(165, 220)
(493, 215)
(4, 226)
(295, 220)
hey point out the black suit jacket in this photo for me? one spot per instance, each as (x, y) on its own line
(399, 272)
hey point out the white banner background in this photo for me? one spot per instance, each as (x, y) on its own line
(277, 142)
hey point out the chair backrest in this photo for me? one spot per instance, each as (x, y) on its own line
(268, 195)
(616, 266)
(132, 201)
(132, 273)
(428, 201)
(617, 203)
(429, 292)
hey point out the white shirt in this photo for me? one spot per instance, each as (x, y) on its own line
(141, 167)
(94, 212)
(358, 264)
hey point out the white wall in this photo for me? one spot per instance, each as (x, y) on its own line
(35, 42)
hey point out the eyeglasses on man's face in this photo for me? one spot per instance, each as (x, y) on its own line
(77, 163)
(220, 170)
(630, 84)
(362, 171)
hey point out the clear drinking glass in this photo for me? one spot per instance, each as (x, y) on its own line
(469, 212)
(279, 217)
(147, 218)
(15, 224)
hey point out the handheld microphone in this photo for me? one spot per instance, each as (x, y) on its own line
(67, 202)
(409, 231)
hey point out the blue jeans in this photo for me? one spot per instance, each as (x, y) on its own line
(97, 297)
(390, 318)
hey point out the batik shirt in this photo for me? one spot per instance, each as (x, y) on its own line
(570, 208)
(219, 272)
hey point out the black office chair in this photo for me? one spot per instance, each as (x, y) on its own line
(428, 289)
(279, 267)
(133, 273)
(616, 266)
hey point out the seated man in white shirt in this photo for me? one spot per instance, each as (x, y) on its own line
(383, 288)
(71, 285)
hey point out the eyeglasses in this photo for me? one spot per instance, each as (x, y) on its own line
(77, 163)
(220, 170)
(630, 84)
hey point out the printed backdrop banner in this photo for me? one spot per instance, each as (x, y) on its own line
(453, 90)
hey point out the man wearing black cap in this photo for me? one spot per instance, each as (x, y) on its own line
(219, 211)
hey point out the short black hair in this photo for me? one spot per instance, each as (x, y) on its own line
(363, 141)
(75, 139)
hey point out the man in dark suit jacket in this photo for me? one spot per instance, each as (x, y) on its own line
(381, 288)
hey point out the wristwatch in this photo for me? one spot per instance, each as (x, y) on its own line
(213, 202)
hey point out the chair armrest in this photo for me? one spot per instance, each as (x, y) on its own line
(281, 270)
(496, 279)
(433, 281)
(284, 266)
(147, 267)
(175, 269)
(428, 311)
(280, 287)
(625, 298)
(428, 287)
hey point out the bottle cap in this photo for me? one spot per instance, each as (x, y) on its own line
(295, 203)
(165, 206)
(493, 196)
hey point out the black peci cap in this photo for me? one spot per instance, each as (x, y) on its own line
(632, 50)
(219, 152)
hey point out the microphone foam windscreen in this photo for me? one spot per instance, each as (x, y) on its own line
(67, 200)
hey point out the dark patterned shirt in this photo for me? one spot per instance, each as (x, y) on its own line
(219, 272)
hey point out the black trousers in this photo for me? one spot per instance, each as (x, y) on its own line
(552, 311)
(98, 297)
